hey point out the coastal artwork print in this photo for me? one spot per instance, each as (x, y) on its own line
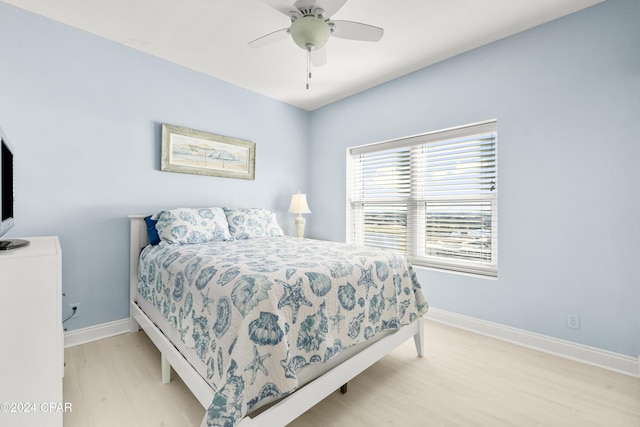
(197, 152)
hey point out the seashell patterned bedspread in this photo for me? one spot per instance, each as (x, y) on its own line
(257, 310)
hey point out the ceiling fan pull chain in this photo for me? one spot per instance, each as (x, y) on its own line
(308, 66)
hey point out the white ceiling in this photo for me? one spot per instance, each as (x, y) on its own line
(211, 36)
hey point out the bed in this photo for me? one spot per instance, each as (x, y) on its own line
(261, 326)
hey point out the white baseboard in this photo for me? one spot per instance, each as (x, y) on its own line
(97, 332)
(594, 356)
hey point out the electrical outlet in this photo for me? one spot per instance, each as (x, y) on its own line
(573, 321)
(77, 310)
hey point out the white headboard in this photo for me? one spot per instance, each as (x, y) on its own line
(138, 240)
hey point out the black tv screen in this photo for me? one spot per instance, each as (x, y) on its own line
(6, 187)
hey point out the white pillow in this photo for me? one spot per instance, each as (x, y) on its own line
(192, 225)
(249, 223)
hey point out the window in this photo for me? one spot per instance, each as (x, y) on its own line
(432, 196)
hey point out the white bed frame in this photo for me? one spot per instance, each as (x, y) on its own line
(288, 408)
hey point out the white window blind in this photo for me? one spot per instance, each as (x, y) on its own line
(432, 196)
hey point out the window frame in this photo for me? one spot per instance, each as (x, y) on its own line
(420, 199)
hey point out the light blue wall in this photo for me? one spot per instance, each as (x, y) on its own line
(567, 99)
(83, 115)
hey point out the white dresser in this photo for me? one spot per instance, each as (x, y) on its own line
(32, 349)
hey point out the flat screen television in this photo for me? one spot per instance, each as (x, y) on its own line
(7, 201)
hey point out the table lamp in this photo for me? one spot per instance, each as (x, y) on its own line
(299, 206)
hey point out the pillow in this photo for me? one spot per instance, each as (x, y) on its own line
(154, 239)
(249, 223)
(191, 225)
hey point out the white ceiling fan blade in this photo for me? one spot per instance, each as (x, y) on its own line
(270, 38)
(330, 6)
(356, 31)
(285, 7)
(319, 57)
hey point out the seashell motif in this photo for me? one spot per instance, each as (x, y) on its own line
(158, 282)
(191, 269)
(263, 266)
(292, 367)
(238, 220)
(249, 291)
(333, 350)
(397, 284)
(226, 407)
(170, 259)
(315, 359)
(179, 231)
(187, 257)
(403, 308)
(188, 303)
(197, 237)
(232, 346)
(228, 276)
(219, 361)
(355, 325)
(290, 272)
(382, 271)
(219, 233)
(223, 317)
(205, 277)
(376, 306)
(178, 289)
(210, 368)
(152, 272)
(268, 391)
(200, 336)
(186, 216)
(393, 323)
(313, 331)
(265, 329)
(205, 213)
(347, 296)
(368, 332)
(339, 269)
(320, 283)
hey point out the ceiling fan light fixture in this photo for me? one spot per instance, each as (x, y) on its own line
(310, 32)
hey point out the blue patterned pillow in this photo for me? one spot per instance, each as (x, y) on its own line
(249, 223)
(192, 225)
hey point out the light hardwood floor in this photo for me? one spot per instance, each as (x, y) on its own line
(464, 379)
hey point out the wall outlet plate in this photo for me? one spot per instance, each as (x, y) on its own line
(573, 321)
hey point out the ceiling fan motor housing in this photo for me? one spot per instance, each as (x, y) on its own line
(310, 32)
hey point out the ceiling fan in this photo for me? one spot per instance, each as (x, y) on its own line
(311, 27)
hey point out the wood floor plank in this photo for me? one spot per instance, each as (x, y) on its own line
(465, 379)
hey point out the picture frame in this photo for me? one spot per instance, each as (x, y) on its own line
(202, 153)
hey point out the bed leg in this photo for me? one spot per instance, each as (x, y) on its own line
(166, 369)
(343, 388)
(419, 338)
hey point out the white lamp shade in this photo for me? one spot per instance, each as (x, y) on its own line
(299, 204)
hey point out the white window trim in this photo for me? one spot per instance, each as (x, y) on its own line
(413, 240)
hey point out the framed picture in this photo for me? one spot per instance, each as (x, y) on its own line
(203, 153)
